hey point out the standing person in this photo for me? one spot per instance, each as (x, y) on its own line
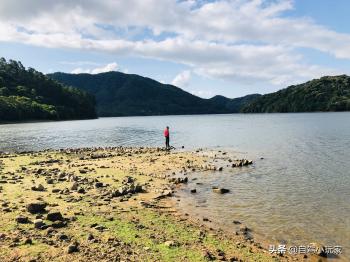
(167, 138)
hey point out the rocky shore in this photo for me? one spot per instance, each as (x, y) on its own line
(110, 204)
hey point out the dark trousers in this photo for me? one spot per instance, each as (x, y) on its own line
(167, 139)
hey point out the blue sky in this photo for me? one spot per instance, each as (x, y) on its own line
(226, 47)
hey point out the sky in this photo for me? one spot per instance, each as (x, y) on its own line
(217, 47)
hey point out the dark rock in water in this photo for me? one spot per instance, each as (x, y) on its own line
(72, 248)
(37, 207)
(178, 180)
(236, 222)
(193, 190)
(22, 220)
(220, 190)
(55, 190)
(220, 168)
(54, 216)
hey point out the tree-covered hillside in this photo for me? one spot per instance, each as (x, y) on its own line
(119, 94)
(329, 93)
(26, 94)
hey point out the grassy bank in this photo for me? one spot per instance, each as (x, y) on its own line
(107, 205)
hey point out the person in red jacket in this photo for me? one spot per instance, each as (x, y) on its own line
(167, 137)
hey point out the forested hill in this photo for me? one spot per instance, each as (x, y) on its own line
(26, 94)
(119, 94)
(329, 93)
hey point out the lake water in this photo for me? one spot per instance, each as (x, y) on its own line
(299, 192)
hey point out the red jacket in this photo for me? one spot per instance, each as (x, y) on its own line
(166, 132)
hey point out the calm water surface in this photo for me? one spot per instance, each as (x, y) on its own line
(299, 192)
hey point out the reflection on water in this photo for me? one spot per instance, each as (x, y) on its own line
(299, 192)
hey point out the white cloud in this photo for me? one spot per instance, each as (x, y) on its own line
(206, 36)
(182, 79)
(107, 68)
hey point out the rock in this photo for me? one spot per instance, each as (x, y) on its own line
(74, 186)
(39, 224)
(236, 222)
(54, 216)
(37, 207)
(220, 190)
(221, 168)
(22, 220)
(98, 184)
(90, 237)
(178, 180)
(58, 224)
(243, 229)
(72, 248)
(40, 187)
(50, 181)
(55, 190)
(81, 190)
(193, 190)
(28, 241)
(62, 237)
(170, 243)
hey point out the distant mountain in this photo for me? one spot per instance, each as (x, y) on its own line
(119, 94)
(26, 94)
(329, 93)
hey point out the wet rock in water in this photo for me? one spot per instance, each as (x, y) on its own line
(178, 180)
(54, 216)
(220, 190)
(221, 168)
(39, 187)
(243, 229)
(39, 224)
(22, 220)
(193, 190)
(36, 207)
(72, 248)
(317, 249)
(236, 222)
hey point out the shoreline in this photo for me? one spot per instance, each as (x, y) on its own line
(102, 203)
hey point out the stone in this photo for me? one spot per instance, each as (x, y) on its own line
(72, 248)
(55, 190)
(54, 216)
(39, 224)
(22, 220)
(28, 241)
(193, 190)
(40, 188)
(98, 184)
(81, 190)
(58, 224)
(170, 243)
(36, 207)
(50, 181)
(74, 186)
(220, 190)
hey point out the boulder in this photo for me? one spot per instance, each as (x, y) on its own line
(36, 207)
(39, 224)
(54, 216)
(22, 220)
